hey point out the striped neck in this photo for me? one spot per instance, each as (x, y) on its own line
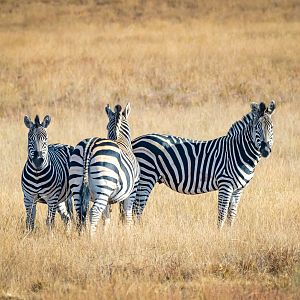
(118, 130)
(240, 125)
(246, 147)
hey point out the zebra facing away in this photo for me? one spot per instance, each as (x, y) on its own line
(45, 175)
(106, 170)
(193, 167)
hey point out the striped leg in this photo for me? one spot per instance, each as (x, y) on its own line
(81, 203)
(106, 216)
(98, 207)
(63, 210)
(128, 204)
(232, 210)
(30, 206)
(224, 196)
(52, 207)
(142, 194)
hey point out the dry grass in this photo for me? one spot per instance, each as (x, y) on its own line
(190, 70)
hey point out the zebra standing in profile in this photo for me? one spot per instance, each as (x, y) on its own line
(105, 169)
(193, 167)
(45, 175)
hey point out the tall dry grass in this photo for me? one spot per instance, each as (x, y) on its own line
(186, 71)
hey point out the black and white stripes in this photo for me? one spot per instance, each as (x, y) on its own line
(105, 169)
(45, 174)
(192, 167)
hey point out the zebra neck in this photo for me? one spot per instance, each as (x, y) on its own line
(246, 147)
(240, 125)
(124, 142)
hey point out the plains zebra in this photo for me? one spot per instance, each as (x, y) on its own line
(45, 174)
(192, 167)
(105, 168)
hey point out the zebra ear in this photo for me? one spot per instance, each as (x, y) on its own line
(262, 108)
(46, 121)
(108, 110)
(127, 110)
(28, 123)
(271, 107)
(254, 107)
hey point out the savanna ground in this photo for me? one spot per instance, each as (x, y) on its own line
(189, 69)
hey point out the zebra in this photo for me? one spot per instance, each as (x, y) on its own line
(106, 170)
(192, 167)
(45, 175)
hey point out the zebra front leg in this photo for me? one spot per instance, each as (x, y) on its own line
(232, 210)
(98, 207)
(30, 206)
(224, 197)
(52, 207)
(63, 210)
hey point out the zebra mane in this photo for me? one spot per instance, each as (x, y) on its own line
(240, 125)
(37, 121)
(118, 117)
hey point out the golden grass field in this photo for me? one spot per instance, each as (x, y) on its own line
(189, 69)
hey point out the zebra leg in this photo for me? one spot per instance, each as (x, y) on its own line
(106, 215)
(142, 194)
(63, 210)
(81, 203)
(232, 210)
(52, 207)
(224, 196)
(121, 212)
(80, 212)
(30, 206)
(98, 207)
(128, 204)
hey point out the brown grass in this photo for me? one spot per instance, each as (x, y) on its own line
(189, 69)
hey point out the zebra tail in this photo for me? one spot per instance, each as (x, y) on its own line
(85, 191)
(85, 199)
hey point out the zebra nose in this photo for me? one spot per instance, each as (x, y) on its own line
(37, 154)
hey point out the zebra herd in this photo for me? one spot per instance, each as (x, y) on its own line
(103, 171)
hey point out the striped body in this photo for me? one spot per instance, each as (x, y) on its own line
(52, 181)
(45, 175)
(105, 171)
(192, 167)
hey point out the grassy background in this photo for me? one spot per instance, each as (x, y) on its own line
(189, 68)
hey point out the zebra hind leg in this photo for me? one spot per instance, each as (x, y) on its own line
(142, 194)
(128, 205)
(81, 203)
(97, 209)
(106, 216)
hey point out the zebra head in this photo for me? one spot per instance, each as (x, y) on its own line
(263, 127)
(38, 141)
(118, 122)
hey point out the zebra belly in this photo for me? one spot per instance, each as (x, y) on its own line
(196, 186)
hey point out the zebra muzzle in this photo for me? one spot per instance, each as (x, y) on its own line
(38, 159)
(265, 149)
